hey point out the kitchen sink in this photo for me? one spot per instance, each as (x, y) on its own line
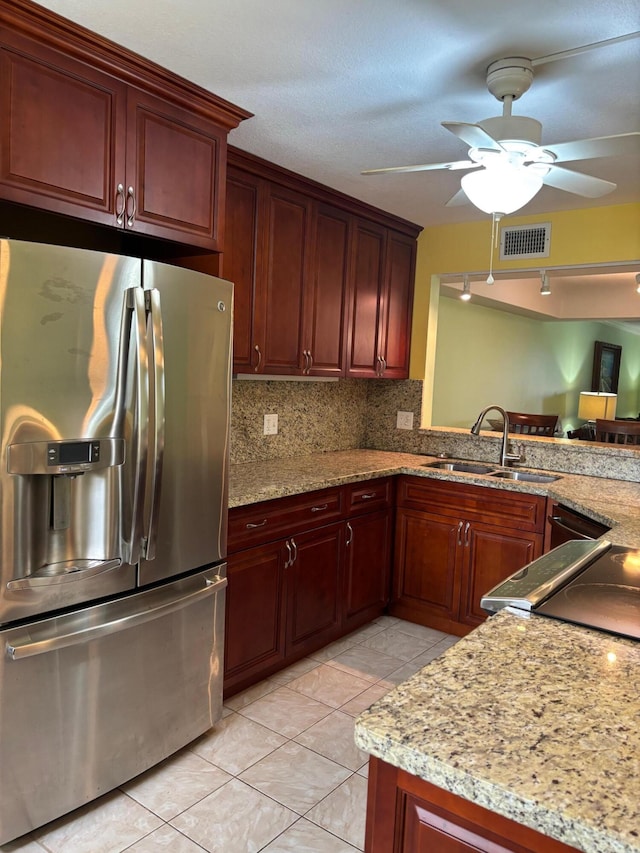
(464, 467)
(525, 476)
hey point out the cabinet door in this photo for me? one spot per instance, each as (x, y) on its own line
(363, 338)
(426, 830)
(175, 161)
(426, 572)
(62, 135)
(239, 263)
(326, 293)
(397, 305)
(281, 281)
(367, 568)
(313, 588)
(254, 628)
(491, 555)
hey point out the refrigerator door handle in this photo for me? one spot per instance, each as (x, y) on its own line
(31, 647)
(157, 349)
(136, 300)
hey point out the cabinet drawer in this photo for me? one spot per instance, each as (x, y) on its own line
(269, 520)
(516, 510)
(369, 495)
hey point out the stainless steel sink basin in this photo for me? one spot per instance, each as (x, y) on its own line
(525, 476)
(464, 467)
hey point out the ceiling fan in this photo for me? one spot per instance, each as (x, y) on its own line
(506, 163)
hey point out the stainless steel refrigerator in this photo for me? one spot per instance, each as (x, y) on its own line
(115, 378)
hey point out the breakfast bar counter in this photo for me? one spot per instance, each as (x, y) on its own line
(530, 718)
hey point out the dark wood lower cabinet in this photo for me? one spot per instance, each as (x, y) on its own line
(312, 582)
(453, 543)
(408, 815)
(289, 595)
(367, 568)
(254, 626)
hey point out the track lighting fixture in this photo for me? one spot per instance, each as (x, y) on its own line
(466, 288)
(545, 287)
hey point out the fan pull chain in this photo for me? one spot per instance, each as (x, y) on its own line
(495, 219)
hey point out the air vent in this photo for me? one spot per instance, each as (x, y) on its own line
(525, 241)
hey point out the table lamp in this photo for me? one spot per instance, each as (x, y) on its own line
(596, 404)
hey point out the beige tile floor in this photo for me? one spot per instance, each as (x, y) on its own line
(280, 773)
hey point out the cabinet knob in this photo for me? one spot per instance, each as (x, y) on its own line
(257, 367)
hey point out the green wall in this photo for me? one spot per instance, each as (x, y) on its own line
(484, 356)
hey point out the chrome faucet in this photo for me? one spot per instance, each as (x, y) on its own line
(505, 456)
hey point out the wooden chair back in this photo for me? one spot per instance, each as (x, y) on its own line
(532, 424)
(618, 432)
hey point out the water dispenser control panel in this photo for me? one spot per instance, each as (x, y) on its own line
(64, 457)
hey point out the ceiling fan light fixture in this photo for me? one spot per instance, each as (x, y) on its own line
(502, 189)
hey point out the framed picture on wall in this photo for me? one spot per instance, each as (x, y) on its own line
(606, 367)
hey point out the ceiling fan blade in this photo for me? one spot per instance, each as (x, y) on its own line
(599, 146)
(576, 182)
(474, 135)
(458, 199)
(454, 164)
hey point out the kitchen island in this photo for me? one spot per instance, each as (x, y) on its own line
(529, 718)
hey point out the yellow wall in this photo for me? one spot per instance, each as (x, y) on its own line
(595, 235)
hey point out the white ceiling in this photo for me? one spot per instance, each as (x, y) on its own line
(337, 86)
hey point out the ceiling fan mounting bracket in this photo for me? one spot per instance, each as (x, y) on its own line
(509, 77)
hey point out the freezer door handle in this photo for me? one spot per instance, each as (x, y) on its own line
(29, 647)
(56, 573)
(157, 350)
(135, 296)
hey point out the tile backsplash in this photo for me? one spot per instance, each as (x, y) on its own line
(316, 417)
(312, 417)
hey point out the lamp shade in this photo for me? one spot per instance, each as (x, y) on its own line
(593, 405)
(501, 189)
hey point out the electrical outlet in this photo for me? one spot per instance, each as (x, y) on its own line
(270, 425)
(404, 420)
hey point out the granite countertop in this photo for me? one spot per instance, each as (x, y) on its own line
(616, 503)
(532, 718)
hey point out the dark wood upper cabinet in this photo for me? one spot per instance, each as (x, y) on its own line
(174, 182)
(62, 133)
(92, 131)
(397, 309)
(239, 263)
(379, 336)
(326, 293)
(320, 288)
(279, 301)
(365, 319)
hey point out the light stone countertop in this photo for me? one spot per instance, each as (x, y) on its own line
(535, 719)
(531, 718)
(614, 502)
